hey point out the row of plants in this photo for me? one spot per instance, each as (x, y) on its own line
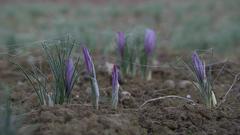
(202, 78)
(132, 50)
(48, 21)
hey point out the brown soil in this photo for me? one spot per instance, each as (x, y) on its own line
(162, 117)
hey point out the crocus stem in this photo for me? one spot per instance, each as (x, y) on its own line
(211, 100)
(115, 98)
(149, 75)
(95, 92)
(126, 62)
(91, 72)
(214, 99)
(124, 67)
(132, 68)
(146, 72)
(50, 102)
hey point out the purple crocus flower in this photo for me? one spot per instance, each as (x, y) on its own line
(149, 41)
(115, 76)
(121, 41)
(92, 73)
(199, 67)
(88, 60)
(69, 72)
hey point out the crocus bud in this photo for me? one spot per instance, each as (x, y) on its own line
(69, 71)
(91, 71)
(115, 77)
(121, 41)
(115, 86)
(149, 41)
(199, 67)
(88, 61)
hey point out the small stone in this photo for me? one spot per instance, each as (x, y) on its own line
(109, 67)
(184, 84)
(189, 96)
(169, 84)
(125, 95)
(20, 83)
(127, 100)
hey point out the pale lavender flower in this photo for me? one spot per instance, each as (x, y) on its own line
(149, 41)
(88, 61)
(121, 41)
(69, 72)
(199, 67)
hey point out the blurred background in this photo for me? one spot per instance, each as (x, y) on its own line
(180, 24)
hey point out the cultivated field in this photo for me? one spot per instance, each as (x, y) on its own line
(161, 67)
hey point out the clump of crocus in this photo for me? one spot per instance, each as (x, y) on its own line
(62, 69)
(115, 86)
(92, 74)
(149, 45)
(202, 80)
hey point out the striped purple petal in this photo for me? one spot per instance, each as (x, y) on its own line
(88, 60)
(198, 66)
(115, 77)
(69, 71)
